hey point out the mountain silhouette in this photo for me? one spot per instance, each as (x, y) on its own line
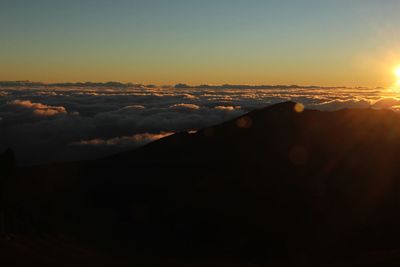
(279, 183)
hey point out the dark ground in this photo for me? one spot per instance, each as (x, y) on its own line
(272, 188)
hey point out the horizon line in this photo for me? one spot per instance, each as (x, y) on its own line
(178, 85)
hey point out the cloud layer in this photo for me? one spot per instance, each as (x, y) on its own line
(45, 123)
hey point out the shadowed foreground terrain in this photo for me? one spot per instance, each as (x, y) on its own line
(275, 187)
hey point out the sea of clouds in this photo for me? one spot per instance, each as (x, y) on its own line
(57, 122)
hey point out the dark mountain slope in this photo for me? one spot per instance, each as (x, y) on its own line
(274, 183)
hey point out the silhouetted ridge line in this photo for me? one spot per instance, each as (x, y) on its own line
(273, 184)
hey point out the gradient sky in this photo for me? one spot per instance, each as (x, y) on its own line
(331, 42)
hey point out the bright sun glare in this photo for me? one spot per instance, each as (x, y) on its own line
(396, 72)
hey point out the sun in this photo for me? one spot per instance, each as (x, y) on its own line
(397, 72)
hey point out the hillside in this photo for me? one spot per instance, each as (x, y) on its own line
(274, 185)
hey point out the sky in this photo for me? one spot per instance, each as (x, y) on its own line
(310, 42)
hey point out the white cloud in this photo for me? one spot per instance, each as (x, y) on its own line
(135, 140)
(228, 108)
(184, 106)
(39, 108)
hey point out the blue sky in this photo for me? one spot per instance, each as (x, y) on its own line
(232, 41)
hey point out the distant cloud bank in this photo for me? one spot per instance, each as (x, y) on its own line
(71, 121)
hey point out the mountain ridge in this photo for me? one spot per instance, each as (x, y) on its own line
(271, 184)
